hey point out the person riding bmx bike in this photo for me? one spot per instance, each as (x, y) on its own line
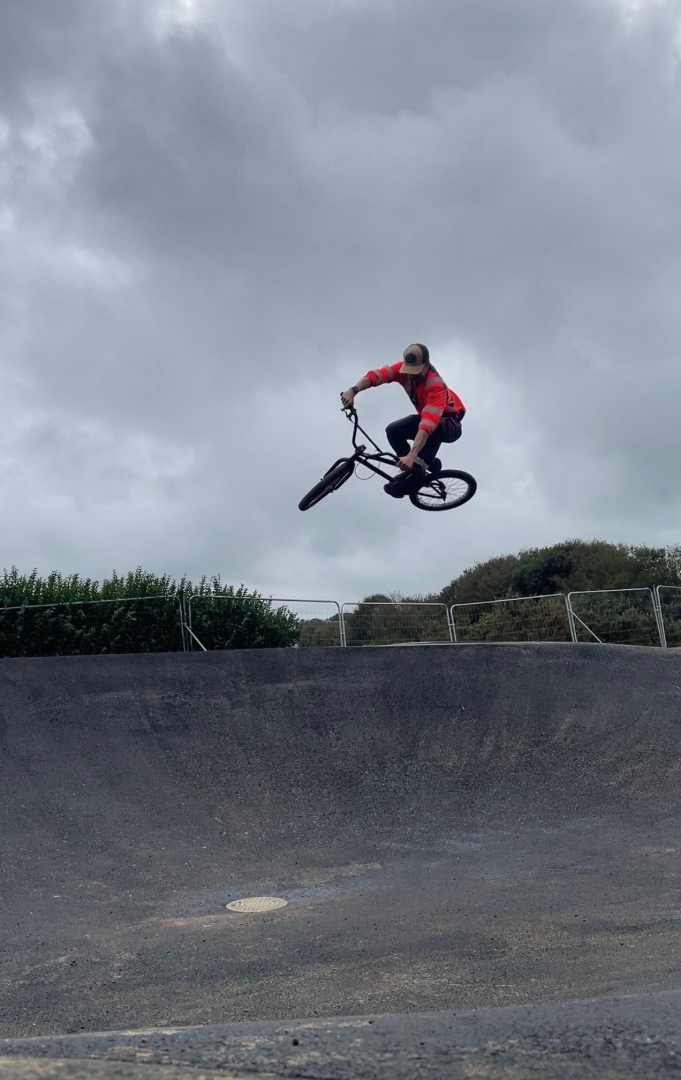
(437, 420)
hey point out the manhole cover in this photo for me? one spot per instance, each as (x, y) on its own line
(257, 903)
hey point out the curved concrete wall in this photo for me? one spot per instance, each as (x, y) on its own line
(139, 793)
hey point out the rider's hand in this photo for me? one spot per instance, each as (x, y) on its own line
(347, 397)
(406, 462)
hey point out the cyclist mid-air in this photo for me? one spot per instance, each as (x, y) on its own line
(437, 420)
(419, 475)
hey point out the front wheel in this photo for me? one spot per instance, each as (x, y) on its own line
(331, 482)
(448, 489)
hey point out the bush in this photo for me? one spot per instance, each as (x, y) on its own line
(573, 566)
(223, 617)
(136, 613)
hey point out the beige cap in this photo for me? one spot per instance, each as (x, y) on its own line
(415, 358)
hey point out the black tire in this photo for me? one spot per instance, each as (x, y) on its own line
(448, 489)
(333, 479)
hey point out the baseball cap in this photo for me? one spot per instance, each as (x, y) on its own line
(414, 357)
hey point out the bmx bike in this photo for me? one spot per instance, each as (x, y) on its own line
(442, 489)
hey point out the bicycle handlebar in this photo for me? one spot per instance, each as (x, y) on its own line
(351, 413)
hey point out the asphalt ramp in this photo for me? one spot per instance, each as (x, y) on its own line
(433, 861)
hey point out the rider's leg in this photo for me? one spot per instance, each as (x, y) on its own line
(447, 431)
(400, 431)
(430, 448)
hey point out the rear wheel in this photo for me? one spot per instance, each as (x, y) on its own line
(334, 479)
(448, 489)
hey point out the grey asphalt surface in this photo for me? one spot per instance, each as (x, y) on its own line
(467, 835)
(631, 1037)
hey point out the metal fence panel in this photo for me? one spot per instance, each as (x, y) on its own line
(616, 616)
(134, 624)
(320, 621)
(669, 607)
(210, 621)
(384, 623)
(523, 618)
(158, 623)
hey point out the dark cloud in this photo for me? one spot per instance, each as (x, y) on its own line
(212, 226)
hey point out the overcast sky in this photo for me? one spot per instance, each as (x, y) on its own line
(217, 214)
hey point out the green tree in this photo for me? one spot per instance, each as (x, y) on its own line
(657, 566)
(571, 566)
(489, 580)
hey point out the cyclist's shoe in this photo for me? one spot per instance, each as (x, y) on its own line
(406, 484)
(435, 467)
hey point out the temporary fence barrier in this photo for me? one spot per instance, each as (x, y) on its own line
(210, 621)
(616, 616)
(522, 618)
(386, 623)
(320, 621)
(131, 624)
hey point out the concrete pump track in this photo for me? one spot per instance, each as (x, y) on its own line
(477, 850)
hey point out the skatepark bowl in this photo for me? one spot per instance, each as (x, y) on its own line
(465, 861)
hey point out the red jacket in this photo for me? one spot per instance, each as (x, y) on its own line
(431, 397)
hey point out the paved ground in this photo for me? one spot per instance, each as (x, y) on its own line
(453, 829)
(634, 1037)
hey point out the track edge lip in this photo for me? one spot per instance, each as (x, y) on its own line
(625, 1003)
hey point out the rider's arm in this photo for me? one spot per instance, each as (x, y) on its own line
(431, 414)
(348, 396)
(416, 448)
(384, 374)
(432, 410)
(372, 378)
(362, 384)
(419, 442)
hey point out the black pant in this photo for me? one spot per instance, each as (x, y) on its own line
(448, 431)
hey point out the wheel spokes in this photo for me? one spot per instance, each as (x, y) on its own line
(444, 490)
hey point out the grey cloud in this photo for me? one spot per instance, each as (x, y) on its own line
(389, 56)
(224, 225)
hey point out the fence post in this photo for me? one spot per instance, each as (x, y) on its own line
(571, 620)
(344, 632)
(657, 604)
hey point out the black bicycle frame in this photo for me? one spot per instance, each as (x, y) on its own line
(360, 455)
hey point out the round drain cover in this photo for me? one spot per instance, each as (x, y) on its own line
(257, 903)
